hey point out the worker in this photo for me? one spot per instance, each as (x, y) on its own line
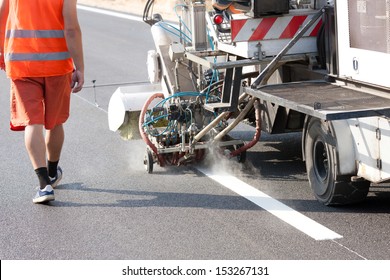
(41, 52)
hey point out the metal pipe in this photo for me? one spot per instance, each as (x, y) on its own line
(233, 124)
(209, 127)
(183, 137)
(177, 76)
(114, 84)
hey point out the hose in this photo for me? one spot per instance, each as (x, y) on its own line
(142, 131)
(257, 135)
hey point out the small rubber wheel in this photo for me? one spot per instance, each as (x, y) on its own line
(148, 161)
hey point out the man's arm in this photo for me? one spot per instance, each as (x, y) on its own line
(4, 7)
(73, 38)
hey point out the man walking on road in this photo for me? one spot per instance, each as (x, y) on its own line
(41, 51)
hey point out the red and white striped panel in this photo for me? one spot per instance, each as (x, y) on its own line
(283, 27)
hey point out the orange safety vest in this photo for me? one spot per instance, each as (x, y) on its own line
(35, 44)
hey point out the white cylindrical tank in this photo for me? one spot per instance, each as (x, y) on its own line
(161, 36)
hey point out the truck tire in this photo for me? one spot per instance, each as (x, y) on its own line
(321, 165)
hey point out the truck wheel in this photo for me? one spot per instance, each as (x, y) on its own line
(148, 161)
(321, 164)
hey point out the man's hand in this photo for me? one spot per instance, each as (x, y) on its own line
(77, 81)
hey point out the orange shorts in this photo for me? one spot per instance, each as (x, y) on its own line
(39, 100)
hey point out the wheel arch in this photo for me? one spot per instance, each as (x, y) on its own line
(340, 136)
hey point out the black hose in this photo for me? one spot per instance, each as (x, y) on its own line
(147, 15)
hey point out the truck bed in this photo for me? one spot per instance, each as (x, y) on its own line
(323, 100)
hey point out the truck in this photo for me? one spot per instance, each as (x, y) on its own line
(311, 66)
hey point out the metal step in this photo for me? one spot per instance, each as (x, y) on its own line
(212, 107)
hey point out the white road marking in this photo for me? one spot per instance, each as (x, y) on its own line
(109, 13)
(273, 206)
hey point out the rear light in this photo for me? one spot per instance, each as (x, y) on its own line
(218, 19)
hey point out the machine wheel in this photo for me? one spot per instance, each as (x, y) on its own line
(321, 164)
(148, 161)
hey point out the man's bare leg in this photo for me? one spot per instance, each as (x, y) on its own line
(54, 142)
(36, 148)
(35, 145)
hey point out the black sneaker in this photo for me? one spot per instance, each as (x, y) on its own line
(54, 181)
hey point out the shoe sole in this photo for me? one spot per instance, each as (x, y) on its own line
(43, 199)
(55, 184)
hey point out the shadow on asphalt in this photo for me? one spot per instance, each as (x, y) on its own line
(378, 200)
(156, 199)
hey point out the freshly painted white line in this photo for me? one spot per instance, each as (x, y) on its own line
(273, 206)
(109, 13)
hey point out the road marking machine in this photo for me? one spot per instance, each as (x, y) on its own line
(315, 66)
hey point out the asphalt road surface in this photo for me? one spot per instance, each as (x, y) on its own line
(108, 207)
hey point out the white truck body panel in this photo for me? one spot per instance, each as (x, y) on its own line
(372, 142)
(365, 53)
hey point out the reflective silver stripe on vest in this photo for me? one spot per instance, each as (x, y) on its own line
(37, 56)
(35, 34)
